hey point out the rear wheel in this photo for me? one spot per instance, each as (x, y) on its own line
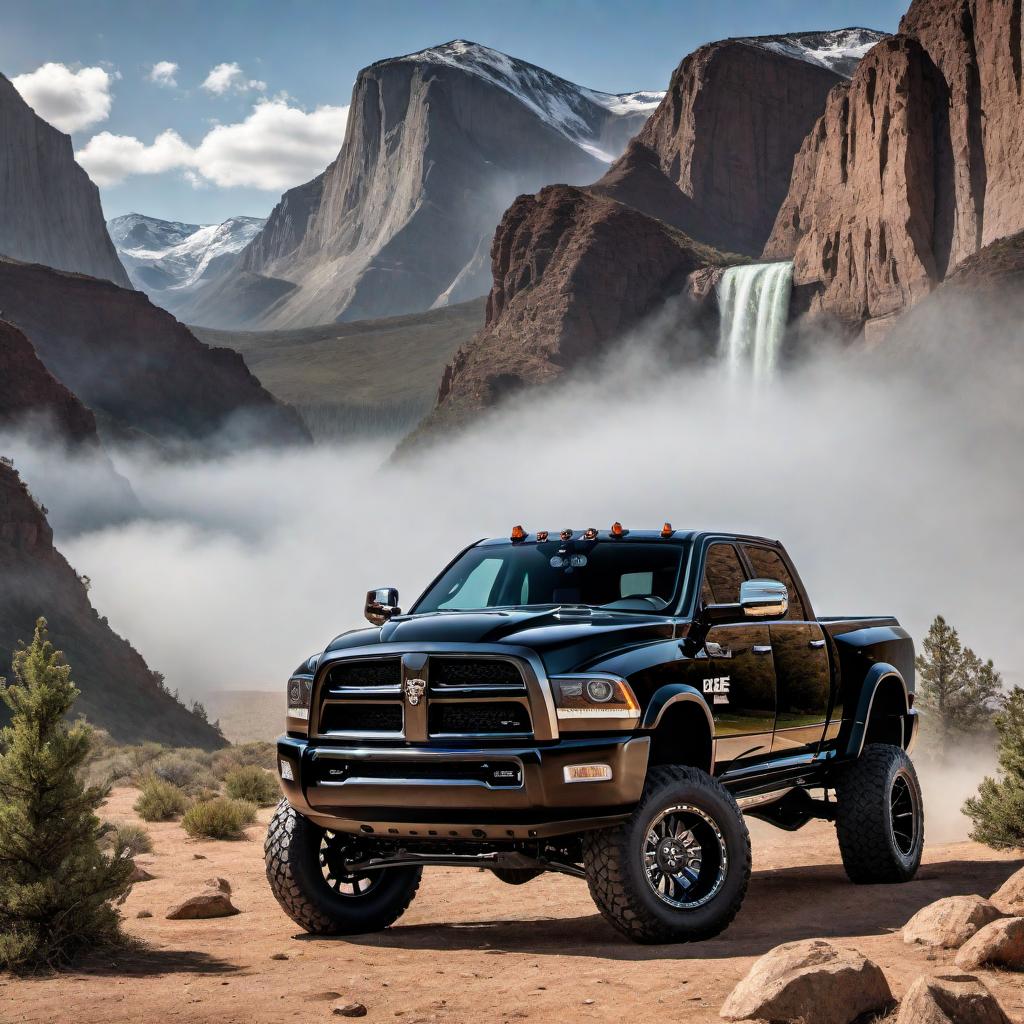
(677, 870)
(306, 868)
(880, 816)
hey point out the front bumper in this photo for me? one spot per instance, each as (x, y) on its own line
(508, 793)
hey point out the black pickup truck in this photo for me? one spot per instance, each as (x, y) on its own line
(605, 704)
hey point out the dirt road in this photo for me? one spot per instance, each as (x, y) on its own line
(474, 950)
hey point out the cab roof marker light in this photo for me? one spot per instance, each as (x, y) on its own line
(666, 530)
(518, 533)
(566, 534)
(590, 534)
(617, 530)
(542, 535)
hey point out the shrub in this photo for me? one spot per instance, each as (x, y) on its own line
(252, 784)
(220, 818)
(187, 769)
(133, 839)
(58, 887)
(160, 800)
(258, 753)
(998, 809)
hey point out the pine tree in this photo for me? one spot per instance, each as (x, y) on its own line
(58, 889)
(998, 809)
(957, 691)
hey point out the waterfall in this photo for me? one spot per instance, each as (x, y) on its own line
(753, 303)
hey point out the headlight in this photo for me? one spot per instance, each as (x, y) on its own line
(299, 693)
(595, 702)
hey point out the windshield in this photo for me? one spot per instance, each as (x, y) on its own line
(626, 575)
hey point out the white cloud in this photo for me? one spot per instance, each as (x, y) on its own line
(225, 77)
(69, 100)
(276, 147)
(162, 73)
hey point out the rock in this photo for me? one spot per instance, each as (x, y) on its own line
(144, 914)
(206, 904)
(715, 158)
(199, 856)
(950, 922)
(278, 956)
(50, 211)
(812, 981)
(573, 272)
(999, 943)
(218, 884)
(140, 874)
(950, 999)
(343, 1009)
(1009, 897)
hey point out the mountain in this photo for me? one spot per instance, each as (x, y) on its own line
(119, 691)
(574, 272)
(715, 157)
(135, 366)
(915, 165)
(168, 260)
(366, 377)
(438, 144)
(49, 209)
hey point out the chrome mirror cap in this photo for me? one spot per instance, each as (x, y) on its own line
(764, 599)
(381, 605)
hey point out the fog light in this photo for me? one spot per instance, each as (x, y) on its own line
(587, 773)
(286, 772)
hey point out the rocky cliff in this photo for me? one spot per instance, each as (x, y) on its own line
(573, 272)
(438, 144)
(49, 209)
(119, 692)
(715, 158)
(914, 165)
(134, 365)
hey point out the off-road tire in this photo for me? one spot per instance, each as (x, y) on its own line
(613, 861)
(864, 817)
(292, 851)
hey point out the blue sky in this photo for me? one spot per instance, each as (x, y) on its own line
(286, 70)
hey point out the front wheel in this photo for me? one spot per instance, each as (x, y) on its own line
(677, 870)
(880, 816)
(306, 868)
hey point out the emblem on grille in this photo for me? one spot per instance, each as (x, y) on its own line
(414, 690)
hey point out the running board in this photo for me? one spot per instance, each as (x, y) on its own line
(493, 859)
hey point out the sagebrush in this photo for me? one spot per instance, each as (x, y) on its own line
(219, 818)
(160, 800)
(252, 784)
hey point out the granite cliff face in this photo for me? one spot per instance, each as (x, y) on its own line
(573, 272)
(715, 158)
(119, 692)
(914, 166)
(438, 144)
(49, 209)
(134, 365)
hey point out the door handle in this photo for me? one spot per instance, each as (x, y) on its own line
(762, 648)
(816, 643)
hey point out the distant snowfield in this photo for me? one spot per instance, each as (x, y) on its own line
(839, 50)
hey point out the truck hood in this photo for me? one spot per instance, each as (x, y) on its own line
(565, 639)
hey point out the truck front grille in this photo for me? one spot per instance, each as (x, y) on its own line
(377, 673)
(497, 774)
(469, 718)
(474, 672)
(348, 716)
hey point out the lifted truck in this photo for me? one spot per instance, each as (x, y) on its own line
(605, 704)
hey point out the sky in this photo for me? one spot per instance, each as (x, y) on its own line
(199, 111)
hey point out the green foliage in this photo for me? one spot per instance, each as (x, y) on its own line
(186, 768)
(256, 752)
(957, 692)
(58, 888)
(998, 809)
(133, 839)
(219, 818)
(160, 800)
(253, 784)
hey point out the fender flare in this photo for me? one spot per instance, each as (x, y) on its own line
(674, 693)
(876, 676)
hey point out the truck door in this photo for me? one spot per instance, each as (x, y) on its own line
(738, 677)
(802, 675)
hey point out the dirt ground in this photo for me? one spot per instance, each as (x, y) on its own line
(472, 949)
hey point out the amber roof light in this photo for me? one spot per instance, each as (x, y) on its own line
(590, 534)
(542, 535)
(518, 533)
(565, 534)
(617, 530)
(666, 530)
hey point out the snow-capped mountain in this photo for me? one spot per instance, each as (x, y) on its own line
(166, 258)
(839, 50)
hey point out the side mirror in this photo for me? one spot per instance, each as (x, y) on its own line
(381, 605)
(764, 599)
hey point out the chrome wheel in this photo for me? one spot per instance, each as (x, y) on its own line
(333, 850)
(903, 814)
(685, 857)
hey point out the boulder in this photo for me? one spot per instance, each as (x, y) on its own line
(140, 874)
(343, 1009)
(1009, 897)
(1000, 942)
(950, 999)
(812, 981)
(218, 885)
(205, 904)
(950, 922)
